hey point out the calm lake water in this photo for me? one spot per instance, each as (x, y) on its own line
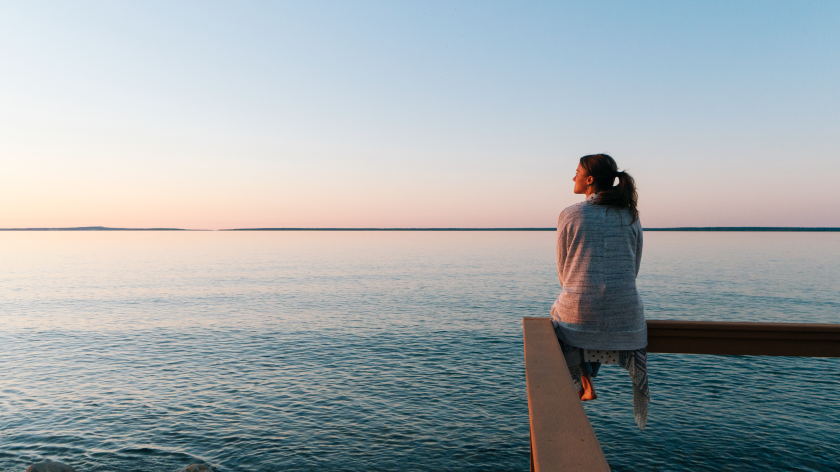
(264, 351)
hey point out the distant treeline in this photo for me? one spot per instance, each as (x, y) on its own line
(92, 228)
(698, 228)
(744, 228)
(690, 228)
(390, 229)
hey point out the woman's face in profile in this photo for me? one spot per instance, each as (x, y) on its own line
(582, 180)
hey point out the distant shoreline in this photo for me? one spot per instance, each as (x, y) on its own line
(711, 228)
(98, 228)
(688, 228)
(749, 228)
(390, 229)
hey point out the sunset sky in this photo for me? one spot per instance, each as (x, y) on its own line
(415, 114)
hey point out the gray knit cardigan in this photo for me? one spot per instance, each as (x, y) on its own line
(598, 257)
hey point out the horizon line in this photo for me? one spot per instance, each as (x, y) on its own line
(682, 228)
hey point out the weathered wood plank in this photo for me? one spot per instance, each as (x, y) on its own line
(740, 338)
(561, 437)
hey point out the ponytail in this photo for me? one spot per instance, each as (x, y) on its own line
(604, 172)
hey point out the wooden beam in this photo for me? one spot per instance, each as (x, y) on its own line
(737, 338)
(561, 437)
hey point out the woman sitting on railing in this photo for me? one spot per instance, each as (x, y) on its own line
(599, 317)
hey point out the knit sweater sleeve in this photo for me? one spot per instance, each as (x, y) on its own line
(639, 244)
(562, 248)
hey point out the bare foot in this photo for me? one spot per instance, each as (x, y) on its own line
(588, 392)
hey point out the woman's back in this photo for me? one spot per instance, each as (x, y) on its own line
(599, 251)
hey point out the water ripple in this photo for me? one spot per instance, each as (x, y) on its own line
(259, 352)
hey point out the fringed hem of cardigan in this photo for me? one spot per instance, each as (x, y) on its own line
(635, 361)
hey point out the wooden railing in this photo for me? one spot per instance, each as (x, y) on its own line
(562, 438)
(753, 339)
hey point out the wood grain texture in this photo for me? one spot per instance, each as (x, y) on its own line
(740, 338)
(562, 439)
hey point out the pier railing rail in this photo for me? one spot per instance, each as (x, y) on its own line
(562, 439)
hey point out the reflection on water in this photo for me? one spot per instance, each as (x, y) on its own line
(360, 351)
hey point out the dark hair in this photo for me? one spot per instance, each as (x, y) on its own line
(604, 171)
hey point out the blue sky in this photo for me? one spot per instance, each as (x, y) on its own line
(356, 114)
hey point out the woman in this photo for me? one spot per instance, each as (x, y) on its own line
(599, 316)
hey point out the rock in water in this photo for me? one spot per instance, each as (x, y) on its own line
(199, 468)
(50, 466)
